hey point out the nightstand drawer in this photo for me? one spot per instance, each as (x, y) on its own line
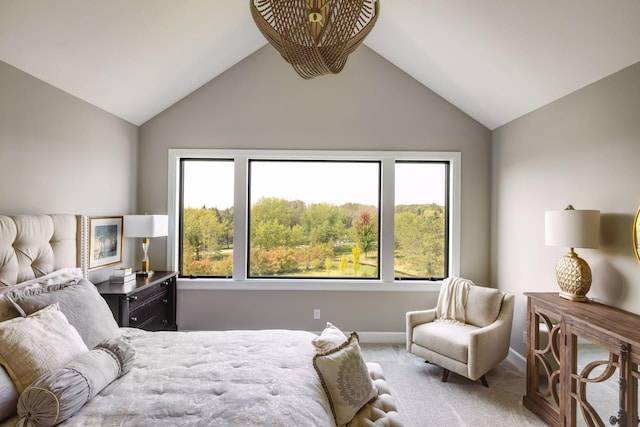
(152, 313)
(151, 293)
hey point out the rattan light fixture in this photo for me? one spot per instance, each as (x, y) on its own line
(315, 36)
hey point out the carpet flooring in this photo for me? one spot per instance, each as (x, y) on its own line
(423, 400)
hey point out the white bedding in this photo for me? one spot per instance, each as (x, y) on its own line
(211, 378)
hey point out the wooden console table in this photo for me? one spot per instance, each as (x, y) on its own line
(582, 362)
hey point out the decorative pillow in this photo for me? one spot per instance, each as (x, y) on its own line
(80, 302)
(7, 308)
(38, 343)
(63, 275)
(8, 395)
(483, 306)
(345, 379)
(330, 338)
(59, 394)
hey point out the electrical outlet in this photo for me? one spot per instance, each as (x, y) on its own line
(316, 313)
(524, 337)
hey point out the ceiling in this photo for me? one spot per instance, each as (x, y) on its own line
(493, 59)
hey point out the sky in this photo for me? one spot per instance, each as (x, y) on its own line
(312, 182)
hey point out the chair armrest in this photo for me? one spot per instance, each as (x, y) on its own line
(415, 318)
(489, 345)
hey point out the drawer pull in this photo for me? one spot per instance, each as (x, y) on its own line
(165, 283)
(165, 321)
(132, 298)
(165, 301)
(133, 319)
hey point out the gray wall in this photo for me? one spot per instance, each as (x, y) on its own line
(371, 105)
(582, 150)
(59, 154)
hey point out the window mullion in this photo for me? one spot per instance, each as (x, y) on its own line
(387, 215)
(240, 202)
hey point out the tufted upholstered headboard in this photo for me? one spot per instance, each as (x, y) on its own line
(34, 245)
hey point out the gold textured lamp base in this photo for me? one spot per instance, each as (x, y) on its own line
(574, 277)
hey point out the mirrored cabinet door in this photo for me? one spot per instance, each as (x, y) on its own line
(546, 382)
(597, 367)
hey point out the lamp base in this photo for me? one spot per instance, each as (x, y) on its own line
(574, 277)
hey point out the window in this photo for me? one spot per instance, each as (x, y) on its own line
(313, 218)
(420, 224)
(249, 217)
(206, 217)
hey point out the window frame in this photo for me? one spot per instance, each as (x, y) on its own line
(386, 280)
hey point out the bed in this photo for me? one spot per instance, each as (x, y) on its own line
(114, 376)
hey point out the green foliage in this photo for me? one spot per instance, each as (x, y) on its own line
(323, 223)
(280, 211)
(419, 240)
(289, 238)
(203, 231)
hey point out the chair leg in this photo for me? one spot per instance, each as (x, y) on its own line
(445, 375)
(484, 381)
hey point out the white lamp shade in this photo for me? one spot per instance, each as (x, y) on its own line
(145, 225)
(572, 228)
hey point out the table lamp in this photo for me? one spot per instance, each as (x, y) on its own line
(574, 229)
(145, 227)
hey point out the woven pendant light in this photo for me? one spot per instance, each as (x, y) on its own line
(315, 36)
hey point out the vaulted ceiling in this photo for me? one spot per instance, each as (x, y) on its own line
(493, 59)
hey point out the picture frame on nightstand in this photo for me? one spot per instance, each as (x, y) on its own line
(105, 241)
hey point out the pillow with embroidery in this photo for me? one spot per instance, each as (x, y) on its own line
(345, 379)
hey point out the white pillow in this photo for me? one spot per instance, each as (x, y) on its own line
(62, 275)
(330, 338)
(38, 343)
(345, 379)
(7, 309)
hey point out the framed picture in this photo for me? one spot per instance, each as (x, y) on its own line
(105, 241)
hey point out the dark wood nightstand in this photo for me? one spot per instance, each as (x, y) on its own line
(145, 303)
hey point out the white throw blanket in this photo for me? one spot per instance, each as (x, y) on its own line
(452, 300)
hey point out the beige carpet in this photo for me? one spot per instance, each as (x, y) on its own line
(423, 400)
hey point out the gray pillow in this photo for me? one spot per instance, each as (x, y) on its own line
(80, 302)
(60, 393)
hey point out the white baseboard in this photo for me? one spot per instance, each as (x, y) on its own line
(517, 359)
(383, 337)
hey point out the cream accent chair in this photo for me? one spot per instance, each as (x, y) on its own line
(471, 348)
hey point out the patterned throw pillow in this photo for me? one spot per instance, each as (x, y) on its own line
(345, 379)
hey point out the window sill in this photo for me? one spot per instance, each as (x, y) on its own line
(308, 285)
